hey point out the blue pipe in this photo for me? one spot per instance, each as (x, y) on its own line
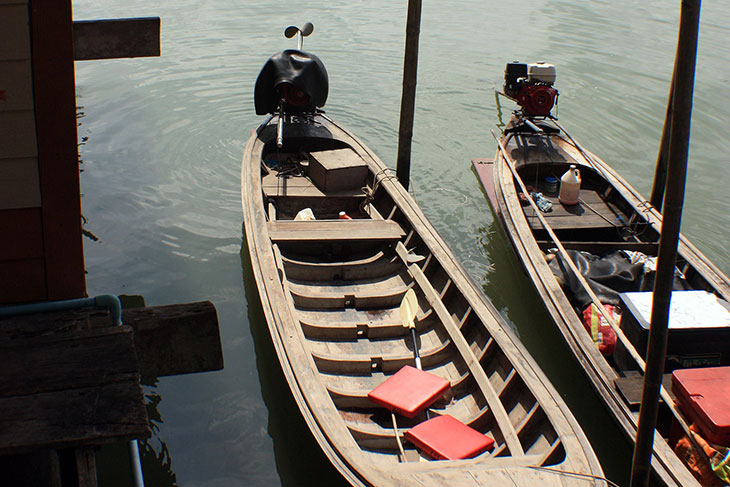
(112, 303)
(108, 301)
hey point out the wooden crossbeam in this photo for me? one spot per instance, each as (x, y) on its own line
(116, 38)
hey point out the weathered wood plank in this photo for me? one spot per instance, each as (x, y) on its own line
(68, 360)
(116, 38)
(631, 388)
(70, 389)
(582, 215)
(328, 230)
(176, 339)
(86, 466)
(29, 326)
(89, 415)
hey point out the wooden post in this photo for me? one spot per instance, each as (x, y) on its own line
(58, 165)
(408, 98)
(673, 200)
(660, 172)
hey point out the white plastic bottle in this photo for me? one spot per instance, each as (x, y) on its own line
(570, 186)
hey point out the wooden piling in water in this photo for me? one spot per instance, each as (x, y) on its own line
(684, 73)
(408, 97)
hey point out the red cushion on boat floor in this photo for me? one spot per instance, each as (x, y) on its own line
(409, 391)
(447, 438)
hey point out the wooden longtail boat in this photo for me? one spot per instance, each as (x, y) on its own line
(331, 289)
(611, 223)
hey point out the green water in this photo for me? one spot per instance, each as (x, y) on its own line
(163, 139)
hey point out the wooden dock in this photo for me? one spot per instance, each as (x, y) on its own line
(70, 381)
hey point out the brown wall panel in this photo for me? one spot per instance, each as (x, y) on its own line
(21, 234)
(22, 281)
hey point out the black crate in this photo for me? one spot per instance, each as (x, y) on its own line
(702, 342)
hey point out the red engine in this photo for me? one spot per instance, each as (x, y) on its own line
(536, 99)
(531, 87)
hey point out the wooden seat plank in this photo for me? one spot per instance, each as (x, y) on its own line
(334, 230)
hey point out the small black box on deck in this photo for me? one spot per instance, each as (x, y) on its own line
(698, 335)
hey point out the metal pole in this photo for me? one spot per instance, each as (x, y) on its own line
(408, 98)
(673, 200)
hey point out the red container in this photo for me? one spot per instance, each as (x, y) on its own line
(447, 438)
(409, 391)
(703, 396)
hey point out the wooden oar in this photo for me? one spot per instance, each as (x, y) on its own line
(408, 308)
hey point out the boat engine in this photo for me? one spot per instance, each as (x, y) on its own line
(531, 86)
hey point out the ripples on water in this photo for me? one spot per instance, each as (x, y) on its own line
(166, 135)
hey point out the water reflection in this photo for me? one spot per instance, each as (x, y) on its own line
(299, 459)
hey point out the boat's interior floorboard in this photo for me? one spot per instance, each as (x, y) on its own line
(590, 212)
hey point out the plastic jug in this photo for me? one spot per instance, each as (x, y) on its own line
(570, 186)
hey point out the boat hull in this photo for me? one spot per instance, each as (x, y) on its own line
(330, 291)
(530, 242)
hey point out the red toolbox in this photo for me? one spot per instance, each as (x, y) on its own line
(703, 395)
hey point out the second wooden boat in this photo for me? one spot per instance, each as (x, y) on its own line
(592, 259)
(336, 246)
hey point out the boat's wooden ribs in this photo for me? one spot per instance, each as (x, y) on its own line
(370, 267)
(465, 350)
(348, 312)
(386, 293)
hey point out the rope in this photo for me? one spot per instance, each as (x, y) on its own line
(575, 474)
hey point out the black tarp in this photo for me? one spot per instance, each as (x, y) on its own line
(608, 276)
(303, 70)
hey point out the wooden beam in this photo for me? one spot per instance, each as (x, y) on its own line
(58, 169)
(169, 340)
(176, 339)
(116, 38)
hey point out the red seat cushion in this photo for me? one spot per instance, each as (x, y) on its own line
(409, 391)
(447, 438)
(703, 396)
